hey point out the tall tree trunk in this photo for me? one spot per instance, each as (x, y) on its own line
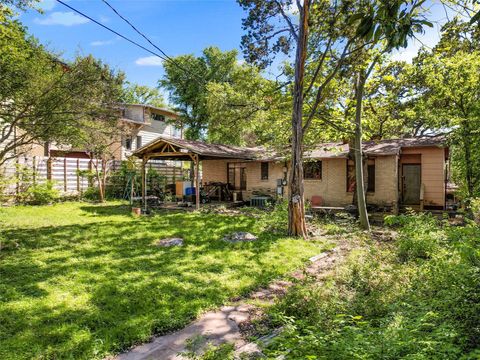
(467, 156)
(360, 184)
(296, 205)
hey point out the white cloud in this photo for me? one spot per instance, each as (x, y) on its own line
(104, 19)
(102, 42)
(149, 61)
(46, 5)
(62, 18)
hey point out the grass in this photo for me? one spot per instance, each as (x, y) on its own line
(85, 281)
(417, 297)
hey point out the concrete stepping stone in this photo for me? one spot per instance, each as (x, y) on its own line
(240, 236)
(167, 242)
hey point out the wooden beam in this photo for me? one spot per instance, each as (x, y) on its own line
(196, 161)
(144, 184)
(164, 154)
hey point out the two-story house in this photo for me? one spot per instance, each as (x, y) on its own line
(144, 124)
(148, 123)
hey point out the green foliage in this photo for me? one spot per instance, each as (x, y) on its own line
(475, 205)
(92, 193)
(420, 237)
(248, 109)
(42, 194)
(376, 307)
(187, 78)
(46, 100)
(198, 350)
(86, 281)
(142, 94)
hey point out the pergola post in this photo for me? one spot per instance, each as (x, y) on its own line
(144, 184)
(196, 162)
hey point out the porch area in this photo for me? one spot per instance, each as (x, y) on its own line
(207, 183)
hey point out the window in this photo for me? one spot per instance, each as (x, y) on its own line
(350, 176)
(128, 143)
(139, 142)
(264, 170)
(371, 176)
(158, 117)
(312, 170)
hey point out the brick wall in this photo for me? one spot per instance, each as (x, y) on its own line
(216, 171)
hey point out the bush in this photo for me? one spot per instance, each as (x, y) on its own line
(376, 307)
(419, 236)
(41, 194)
(475, 206)
(92, 193)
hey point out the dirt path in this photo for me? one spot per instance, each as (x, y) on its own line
(225, 324)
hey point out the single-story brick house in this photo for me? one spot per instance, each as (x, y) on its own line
(410, 172)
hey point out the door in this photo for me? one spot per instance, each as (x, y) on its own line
(411, 184)
(237, 176)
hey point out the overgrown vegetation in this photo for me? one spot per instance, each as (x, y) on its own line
(415, 298)
(84, 281)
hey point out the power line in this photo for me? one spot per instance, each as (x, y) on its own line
(169, 58)
(111, 30)
(164, 57)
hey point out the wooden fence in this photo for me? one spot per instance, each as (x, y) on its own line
(64, 172)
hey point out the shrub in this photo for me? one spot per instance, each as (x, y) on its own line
(475, 206)
(92, 193)
(375, 307)
(41, 194)
(419, 235)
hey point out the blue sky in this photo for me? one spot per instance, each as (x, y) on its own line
(176, 26)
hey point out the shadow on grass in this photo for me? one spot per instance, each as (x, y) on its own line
(107, 210)
(84, 291)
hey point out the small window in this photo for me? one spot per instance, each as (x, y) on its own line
(128, 143)
(371, 176)
(139, 142)
(312, 170)
(350, 176)
(264, 170)
(158, 117)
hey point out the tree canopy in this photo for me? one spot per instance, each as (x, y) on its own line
(44, 99)
(143, 94)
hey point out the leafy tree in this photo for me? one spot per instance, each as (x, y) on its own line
(453, 84)
(142, 94)
(45, 100)
(248, 110)
(20, 4)
(327, 37)
(187, 77)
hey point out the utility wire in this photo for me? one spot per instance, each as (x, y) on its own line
(164, 56)
(111, 30)
(169, 58)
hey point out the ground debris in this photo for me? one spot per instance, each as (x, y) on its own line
(240, 236)
(167, 242)
(384, 235)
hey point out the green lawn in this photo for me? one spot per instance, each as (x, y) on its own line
(85, 281)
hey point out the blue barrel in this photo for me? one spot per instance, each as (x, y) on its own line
(190, 191)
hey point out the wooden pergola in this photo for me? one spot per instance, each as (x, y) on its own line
(167, 148)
